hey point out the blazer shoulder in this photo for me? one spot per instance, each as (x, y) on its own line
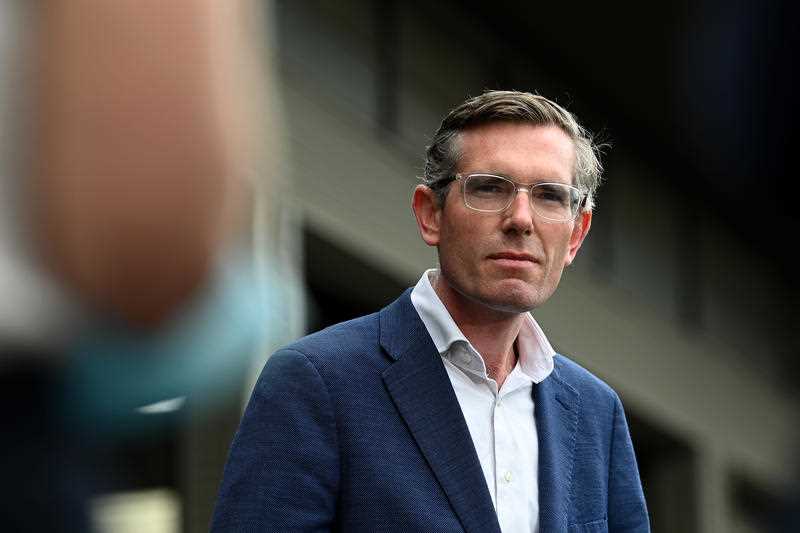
(339, 344)
(355, 331)
(359, 340)
(582, 380)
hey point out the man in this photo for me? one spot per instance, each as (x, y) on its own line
(449, 410)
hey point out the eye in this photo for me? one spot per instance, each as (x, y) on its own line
(551, 194)
(488, 186)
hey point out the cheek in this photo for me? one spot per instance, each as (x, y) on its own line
(557, 248)
(459, 251)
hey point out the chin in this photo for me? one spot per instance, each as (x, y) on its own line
(511, 308)
(514, 300)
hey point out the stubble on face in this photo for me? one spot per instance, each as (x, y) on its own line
(471, 274)
(477, 284)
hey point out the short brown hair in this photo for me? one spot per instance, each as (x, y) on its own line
(444, 153)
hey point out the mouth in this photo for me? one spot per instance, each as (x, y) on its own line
(513, 259)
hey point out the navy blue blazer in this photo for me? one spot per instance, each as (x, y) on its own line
(357, 429)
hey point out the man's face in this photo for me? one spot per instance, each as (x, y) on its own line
(509, 261)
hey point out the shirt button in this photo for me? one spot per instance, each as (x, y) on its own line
(507, 476)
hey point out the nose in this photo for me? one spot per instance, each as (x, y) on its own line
(519, 215)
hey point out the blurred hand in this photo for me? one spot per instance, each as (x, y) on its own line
(143, 143)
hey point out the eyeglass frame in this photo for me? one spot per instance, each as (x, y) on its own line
(462, 178)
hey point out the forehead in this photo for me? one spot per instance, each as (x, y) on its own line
(523, 151)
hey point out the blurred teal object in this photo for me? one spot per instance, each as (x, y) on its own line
(201, 355)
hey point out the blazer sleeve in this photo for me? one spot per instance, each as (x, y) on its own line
(627, 511)
(282, 472)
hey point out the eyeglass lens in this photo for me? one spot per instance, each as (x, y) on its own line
(554, 201)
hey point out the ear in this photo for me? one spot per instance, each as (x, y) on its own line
(428, 214)
(579, 232)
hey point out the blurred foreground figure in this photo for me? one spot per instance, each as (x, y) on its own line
(126, 273)
(449, 410)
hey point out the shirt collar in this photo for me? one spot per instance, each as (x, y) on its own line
(535, 352)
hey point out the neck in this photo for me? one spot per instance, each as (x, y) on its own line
(493, 333)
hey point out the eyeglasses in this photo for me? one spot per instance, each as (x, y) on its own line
(487, 193)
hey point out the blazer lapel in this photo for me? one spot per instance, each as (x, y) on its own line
(421, 390)
(556, 406)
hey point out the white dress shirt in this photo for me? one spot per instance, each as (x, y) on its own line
(501, 422)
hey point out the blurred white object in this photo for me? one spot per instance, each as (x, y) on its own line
(154, 511)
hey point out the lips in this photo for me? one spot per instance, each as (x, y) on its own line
(513, 261)
(514, 256)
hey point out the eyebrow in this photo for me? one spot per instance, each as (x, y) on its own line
(515, 180)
